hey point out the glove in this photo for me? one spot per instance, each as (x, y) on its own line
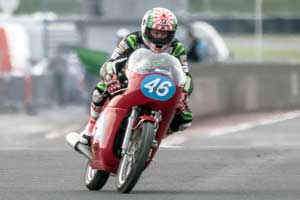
(112, 83)
(182, 106)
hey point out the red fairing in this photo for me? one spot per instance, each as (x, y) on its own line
(117, 110)
(103, 156)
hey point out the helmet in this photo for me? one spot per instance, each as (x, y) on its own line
(158, 28)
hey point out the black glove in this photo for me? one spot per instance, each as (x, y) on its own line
(112, 83)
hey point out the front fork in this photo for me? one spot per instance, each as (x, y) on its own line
(131, 120)
(157, 117)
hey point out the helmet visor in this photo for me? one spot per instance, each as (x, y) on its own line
(159, 37)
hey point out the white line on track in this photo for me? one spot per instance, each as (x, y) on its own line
(176, 140)
(60, 133)
(52, 135)
(248, 125)
(173, 141)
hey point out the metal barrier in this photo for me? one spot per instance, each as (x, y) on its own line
(218, 88)
(12, 92)
(243, 87)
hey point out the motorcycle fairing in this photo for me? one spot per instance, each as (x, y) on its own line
(117, 110)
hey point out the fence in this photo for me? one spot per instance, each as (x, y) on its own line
(243, 87)
(218, 88)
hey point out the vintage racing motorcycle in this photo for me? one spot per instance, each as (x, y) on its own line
(133, 121)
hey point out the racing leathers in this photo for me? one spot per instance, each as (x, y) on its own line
(112, 78)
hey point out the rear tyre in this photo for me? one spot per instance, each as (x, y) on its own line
(95, 179)
(133, 162)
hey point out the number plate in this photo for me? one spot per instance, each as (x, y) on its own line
(158, 87)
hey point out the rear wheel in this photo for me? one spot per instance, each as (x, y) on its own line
(133, 162)
(95, 179)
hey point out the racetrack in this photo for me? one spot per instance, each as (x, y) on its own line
(258, 162)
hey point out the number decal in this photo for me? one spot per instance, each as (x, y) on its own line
(163, 88)
(152, 84)
(158, 87)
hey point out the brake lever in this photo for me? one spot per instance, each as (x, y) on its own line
(120, 91)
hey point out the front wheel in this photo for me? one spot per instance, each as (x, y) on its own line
(133, 161)
(95, 179)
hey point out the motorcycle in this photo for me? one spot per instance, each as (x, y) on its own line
(133, 121)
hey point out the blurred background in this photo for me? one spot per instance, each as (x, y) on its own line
(244, 56)
(240, 52)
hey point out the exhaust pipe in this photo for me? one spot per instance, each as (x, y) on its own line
(73, 140)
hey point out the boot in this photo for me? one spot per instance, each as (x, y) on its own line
(85, 135)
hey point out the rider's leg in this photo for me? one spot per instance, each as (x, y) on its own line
(181, 121)
(183, 117)
(98, 99)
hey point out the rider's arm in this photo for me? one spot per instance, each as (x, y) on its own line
(119, 56)
(179, 52)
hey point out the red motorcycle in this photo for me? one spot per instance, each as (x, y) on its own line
(133, 121)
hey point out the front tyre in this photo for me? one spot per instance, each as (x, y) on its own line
(95, 179)
(133, 162)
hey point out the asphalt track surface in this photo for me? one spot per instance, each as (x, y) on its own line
(261, 162)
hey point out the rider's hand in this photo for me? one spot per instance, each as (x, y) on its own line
(182, 106)
(112, 83)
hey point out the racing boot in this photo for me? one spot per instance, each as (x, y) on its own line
(180, 122)
(96, 105)
(85, 135)
(183, 117)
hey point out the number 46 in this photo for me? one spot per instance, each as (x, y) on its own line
(161, 89)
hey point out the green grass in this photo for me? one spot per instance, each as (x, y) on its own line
(271, 54)
(58, 6)
(246, 7)
(275, 47)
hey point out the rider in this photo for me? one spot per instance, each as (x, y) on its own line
(157, 34)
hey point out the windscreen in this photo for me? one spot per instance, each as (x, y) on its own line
(145, 61)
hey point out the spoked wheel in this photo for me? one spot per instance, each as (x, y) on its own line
(95, 179)
(133, 162)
